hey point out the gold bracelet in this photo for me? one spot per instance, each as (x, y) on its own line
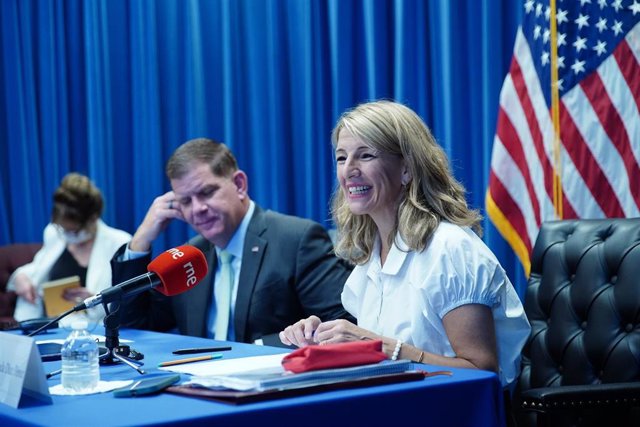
(421, 357)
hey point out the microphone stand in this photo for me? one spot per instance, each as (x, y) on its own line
(50, 323)
(116, 352)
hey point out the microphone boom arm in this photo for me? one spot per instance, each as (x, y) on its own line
(130, 287)
(51, 322)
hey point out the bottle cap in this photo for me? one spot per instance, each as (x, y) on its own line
(79, 324)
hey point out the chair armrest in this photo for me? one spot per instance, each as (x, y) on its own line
(582, 396)
(7, 303)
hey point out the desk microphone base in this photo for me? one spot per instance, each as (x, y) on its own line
(117, 353)
(121, 354)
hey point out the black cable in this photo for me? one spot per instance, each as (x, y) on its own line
(51, 322)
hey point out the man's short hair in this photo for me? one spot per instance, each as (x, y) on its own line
(201, 150)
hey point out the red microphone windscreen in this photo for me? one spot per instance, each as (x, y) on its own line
(179, 269)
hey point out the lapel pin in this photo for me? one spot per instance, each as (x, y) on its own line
(255, 249)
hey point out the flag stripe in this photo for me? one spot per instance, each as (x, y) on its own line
(506, 132)
(531, 94)
(503, 224)
(576, 192)
(583, 113)
(536, 137)
(509, 209)
(587, 165)
(623, 100)
(613, 125)
(629, 68)
(509, 174)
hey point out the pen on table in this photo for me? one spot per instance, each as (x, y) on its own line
(200, 350)
(189, 360)
(54, 373)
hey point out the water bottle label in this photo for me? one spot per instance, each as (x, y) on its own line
(80, 368)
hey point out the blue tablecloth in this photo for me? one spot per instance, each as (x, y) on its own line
(467, 398)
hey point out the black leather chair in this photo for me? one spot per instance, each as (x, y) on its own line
(12, 256)
(581, 364)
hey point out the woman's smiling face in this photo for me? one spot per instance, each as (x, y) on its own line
(370, 180)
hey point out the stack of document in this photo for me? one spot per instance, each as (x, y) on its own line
(276, 378)
(268, 363)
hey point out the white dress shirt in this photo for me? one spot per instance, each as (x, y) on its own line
(407, 298)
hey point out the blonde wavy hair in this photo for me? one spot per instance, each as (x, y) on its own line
(431, 196)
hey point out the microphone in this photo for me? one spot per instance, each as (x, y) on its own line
(171, 273)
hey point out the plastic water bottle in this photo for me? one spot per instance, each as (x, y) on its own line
(80, 368)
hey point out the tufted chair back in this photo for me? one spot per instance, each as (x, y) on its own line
(581, 363)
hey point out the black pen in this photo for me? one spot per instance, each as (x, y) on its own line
(200, 350)
(54, 373)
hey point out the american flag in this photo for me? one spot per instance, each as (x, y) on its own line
(589, 168)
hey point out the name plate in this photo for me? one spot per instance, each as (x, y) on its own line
(21, 371)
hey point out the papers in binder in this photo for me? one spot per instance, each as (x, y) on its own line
(277, 378)
(269, 363)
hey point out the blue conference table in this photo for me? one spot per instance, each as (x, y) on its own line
(467, 398)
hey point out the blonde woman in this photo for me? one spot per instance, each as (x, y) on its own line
(424, 282)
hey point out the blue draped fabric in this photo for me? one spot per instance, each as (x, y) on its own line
(111, 87)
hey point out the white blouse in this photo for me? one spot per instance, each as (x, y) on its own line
(107, 242)
(407, 298)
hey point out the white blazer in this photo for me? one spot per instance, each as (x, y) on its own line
(107, 242)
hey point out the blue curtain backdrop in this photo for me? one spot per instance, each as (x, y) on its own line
(111, 87)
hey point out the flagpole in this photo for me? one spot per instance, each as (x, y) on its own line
(555, 113)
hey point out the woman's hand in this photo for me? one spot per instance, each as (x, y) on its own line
(24, 288)
(340, 330)
(76, 295)
(300, 333)
(311, 331)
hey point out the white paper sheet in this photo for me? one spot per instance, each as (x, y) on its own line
(228, 366)
(102, 387)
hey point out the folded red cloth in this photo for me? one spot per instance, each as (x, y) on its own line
(339, 355)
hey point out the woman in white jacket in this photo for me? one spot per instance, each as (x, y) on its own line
(76, 242)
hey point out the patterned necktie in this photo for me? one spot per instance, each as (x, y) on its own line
(223, 303)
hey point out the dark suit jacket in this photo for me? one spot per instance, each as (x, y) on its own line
(288, 273)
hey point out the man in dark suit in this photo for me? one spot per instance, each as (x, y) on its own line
(282, 267)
